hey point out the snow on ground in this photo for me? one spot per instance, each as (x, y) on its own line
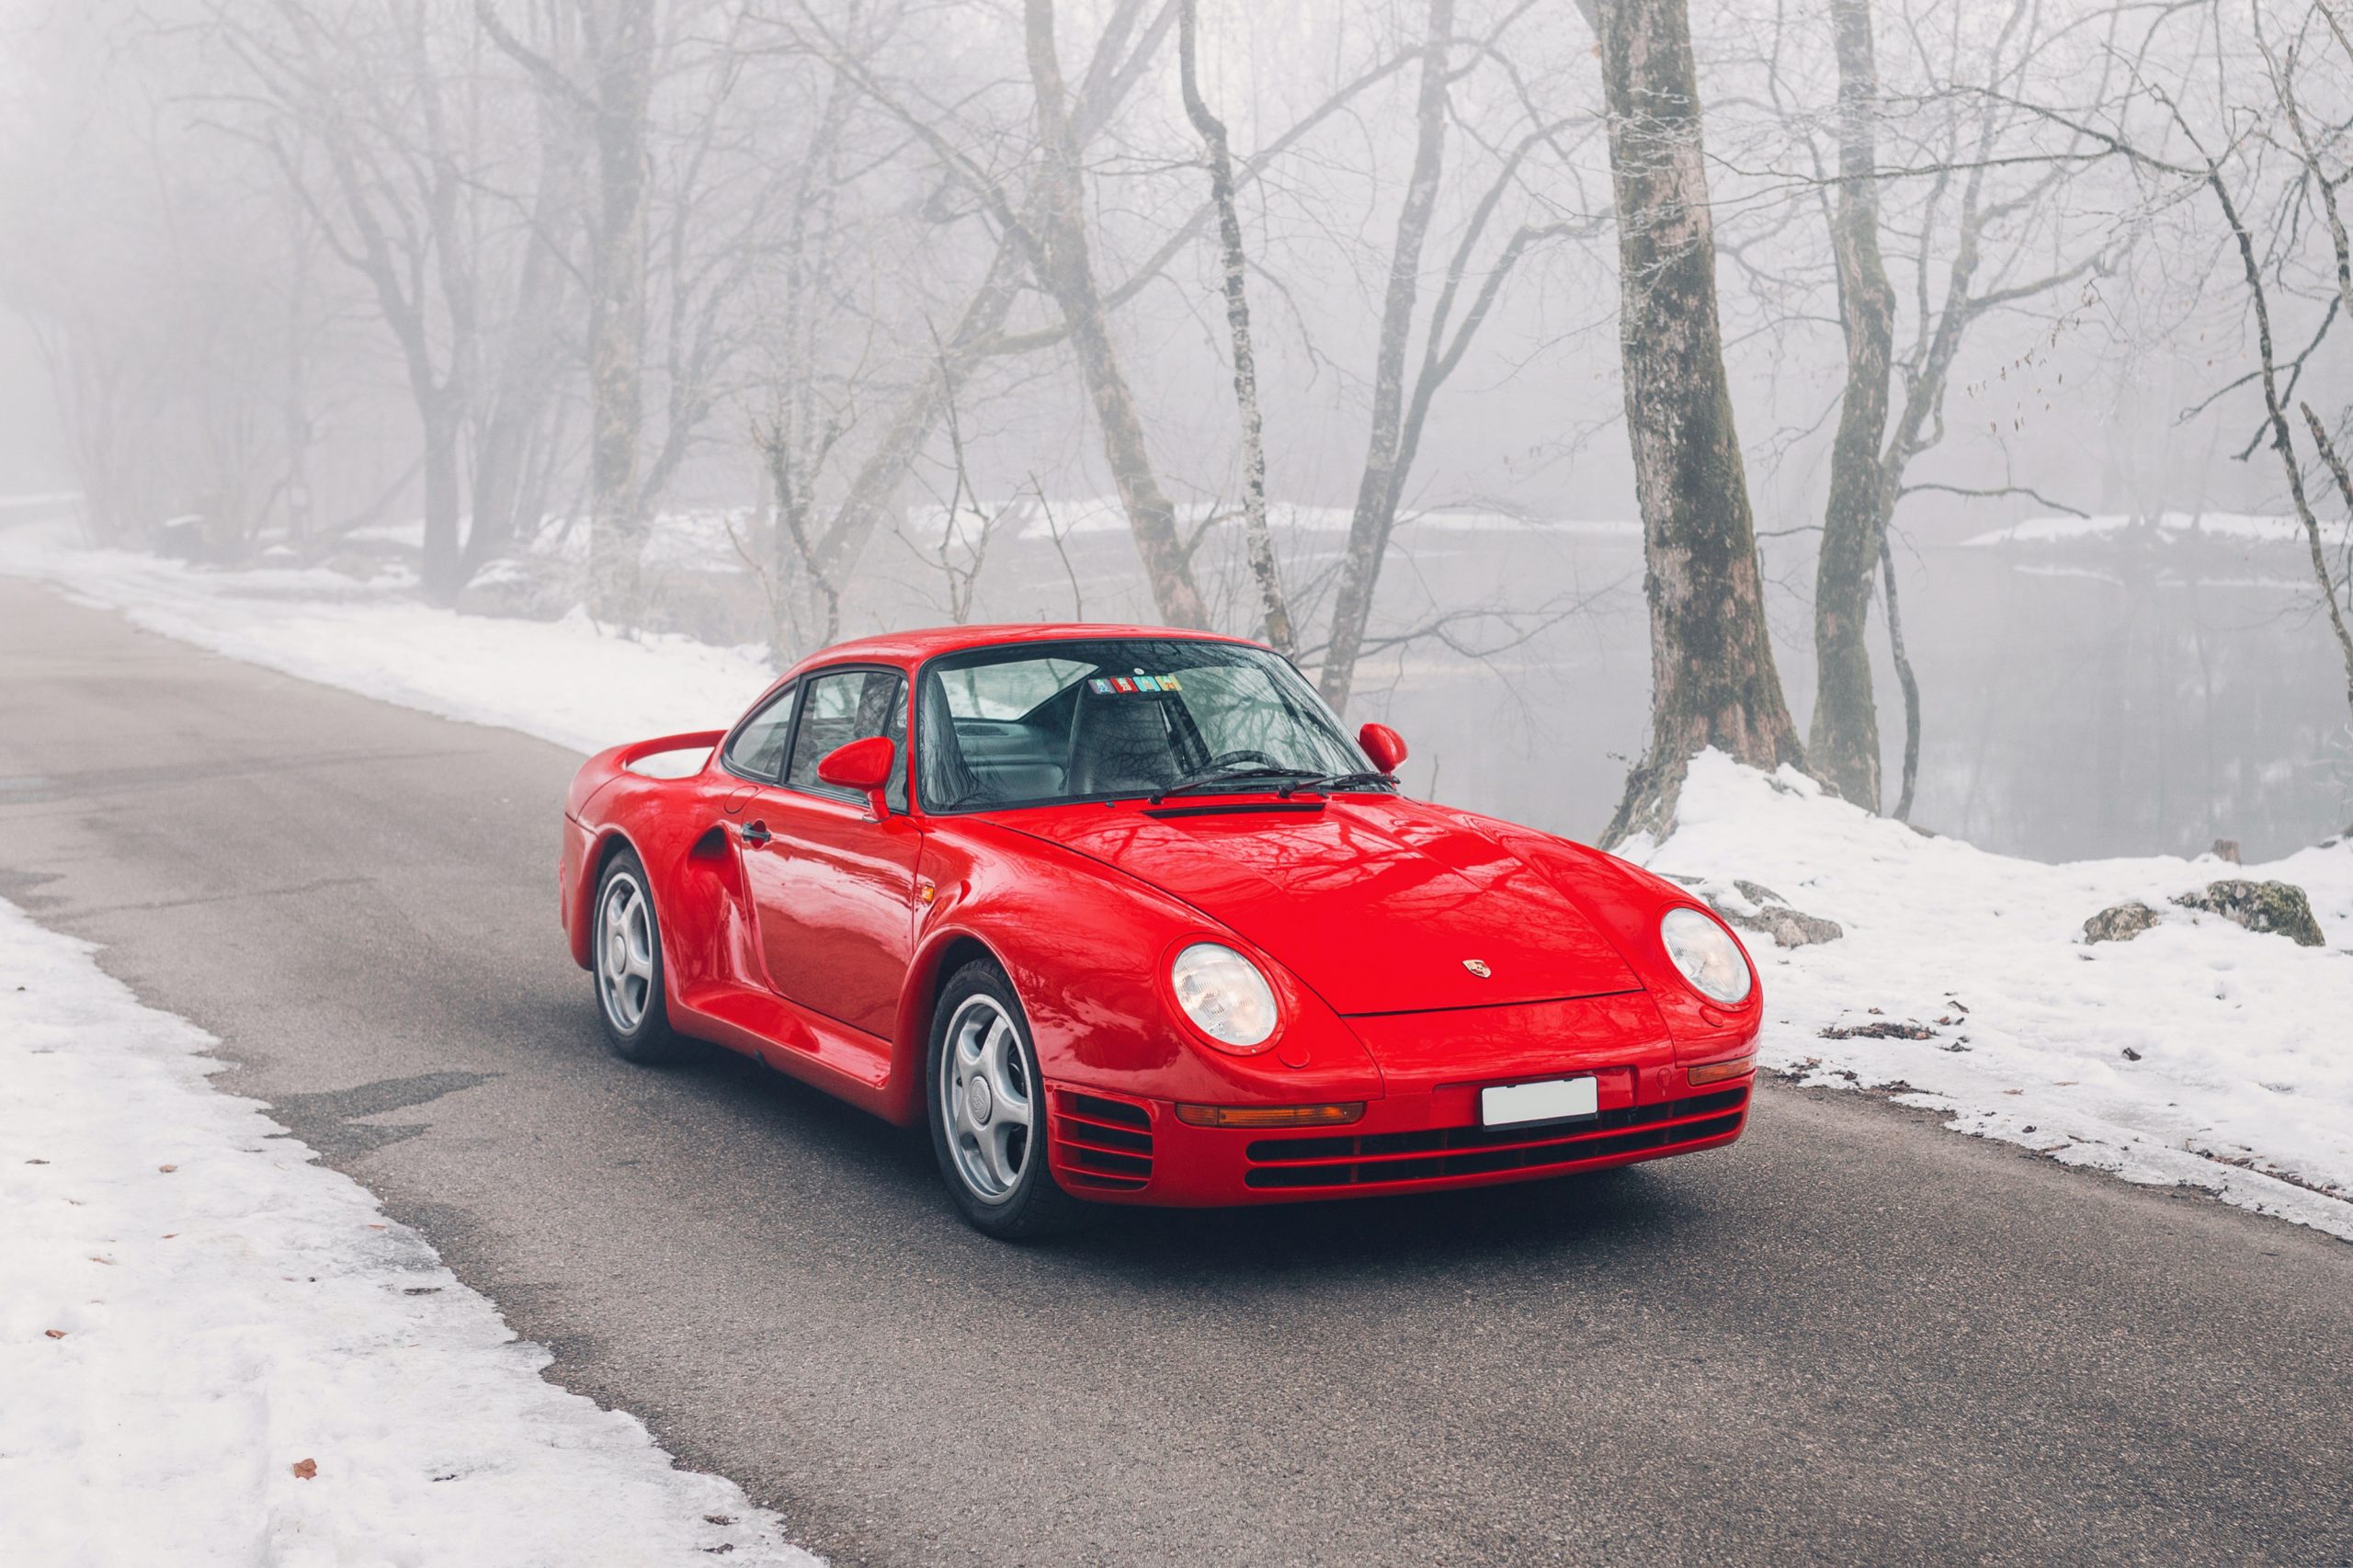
(2198, 1053)
(215, 1351)
(567, 681)
(2238, 527)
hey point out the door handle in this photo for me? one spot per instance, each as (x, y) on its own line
(756, 835)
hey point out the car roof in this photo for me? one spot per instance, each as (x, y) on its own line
(909, 649)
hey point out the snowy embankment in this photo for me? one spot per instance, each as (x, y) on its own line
(215, 1351)
(2197, 1053)
(568, 681)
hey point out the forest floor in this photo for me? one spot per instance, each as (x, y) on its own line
(2199, 1054)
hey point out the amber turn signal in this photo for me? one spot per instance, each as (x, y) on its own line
(1717, 1071)
(1270, 1115)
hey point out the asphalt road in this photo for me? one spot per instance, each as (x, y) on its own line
(1853, 1337)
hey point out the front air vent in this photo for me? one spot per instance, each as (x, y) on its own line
(1100, 1143)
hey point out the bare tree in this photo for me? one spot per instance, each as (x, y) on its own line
(1233, 266)
(398, 155)
(1060, 255)
(616, 44)
(1843, 745)
(2266, 256)
(1713, 677)
(1375, 510)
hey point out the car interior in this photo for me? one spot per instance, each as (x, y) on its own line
(1076, 743)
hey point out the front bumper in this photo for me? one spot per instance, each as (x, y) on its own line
(1117, 1150)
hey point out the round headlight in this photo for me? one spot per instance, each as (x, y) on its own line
(1708, 957)
(1226, 996)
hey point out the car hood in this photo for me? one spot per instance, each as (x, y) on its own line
(1379, 903)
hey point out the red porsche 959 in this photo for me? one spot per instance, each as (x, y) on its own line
(1124, 916)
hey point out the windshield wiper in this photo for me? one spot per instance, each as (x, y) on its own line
(1327, 782)
(1208, 778)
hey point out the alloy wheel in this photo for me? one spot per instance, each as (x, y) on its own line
(624, 952)
(986, 1100)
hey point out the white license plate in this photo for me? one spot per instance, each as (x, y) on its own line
(1555, 1100)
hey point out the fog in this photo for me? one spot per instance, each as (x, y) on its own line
(773, 322)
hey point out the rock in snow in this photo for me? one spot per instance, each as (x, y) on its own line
(2198, 1055)
(1754, 907)
(2120, 923)
(2260, 906)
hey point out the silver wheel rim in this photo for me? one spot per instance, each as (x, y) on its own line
(987, 1100)
(625, 952)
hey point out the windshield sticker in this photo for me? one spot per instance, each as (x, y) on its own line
(1127, 685)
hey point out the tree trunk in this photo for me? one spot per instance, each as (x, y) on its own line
(1069, 275)
(533, 360)
(1376, 490)
(1712, 680)
(1908, 681)
(622, 53)
(1257, 538)
(444, 573)
(1843, 746)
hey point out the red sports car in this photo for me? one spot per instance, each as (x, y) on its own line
(1124, 915)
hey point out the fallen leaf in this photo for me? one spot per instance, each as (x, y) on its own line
(54, 1332)
(305, 1468)
(169, 1234)
(2013, 1091)
(36, 1162)
(167, 1169)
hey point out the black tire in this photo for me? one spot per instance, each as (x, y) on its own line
(628, 973)
(1030, 1204)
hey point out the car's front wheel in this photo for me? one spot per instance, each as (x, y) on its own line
(988, 1110)
(626, 956)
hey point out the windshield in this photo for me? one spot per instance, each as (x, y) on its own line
(1040, 722)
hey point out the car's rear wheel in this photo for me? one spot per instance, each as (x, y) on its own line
(625, 951)
(988, 1110)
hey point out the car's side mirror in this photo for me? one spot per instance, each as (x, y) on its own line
(864, 765)
(1384, 744)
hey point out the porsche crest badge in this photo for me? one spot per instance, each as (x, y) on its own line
(1478, 967)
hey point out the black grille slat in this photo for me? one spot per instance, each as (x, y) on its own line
(1095, 1135)
(1095, 1108)
(1492, 1161)
(1446, 1153)
(1101, 1143)
(1437, 1140)
(1105, 1162)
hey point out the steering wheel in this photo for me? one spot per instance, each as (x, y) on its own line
(1223, 757)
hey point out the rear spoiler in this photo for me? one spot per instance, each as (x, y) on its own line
(638, 751)
(610, 764)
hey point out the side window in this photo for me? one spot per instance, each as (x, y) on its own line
(848, 707)
(757, 750)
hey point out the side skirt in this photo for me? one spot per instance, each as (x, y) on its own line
(822, 1052)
